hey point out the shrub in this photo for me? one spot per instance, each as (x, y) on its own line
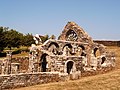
(2, 54)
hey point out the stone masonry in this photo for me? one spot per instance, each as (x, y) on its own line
(73, 53)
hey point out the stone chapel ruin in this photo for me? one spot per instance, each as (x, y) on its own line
(72, 54)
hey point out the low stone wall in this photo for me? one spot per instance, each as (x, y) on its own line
(98, 71)
(20, 80)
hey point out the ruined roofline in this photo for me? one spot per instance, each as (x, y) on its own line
(72, 23)
(75, 24)
(72, 30)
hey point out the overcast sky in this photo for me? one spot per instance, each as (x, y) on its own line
(99, 18)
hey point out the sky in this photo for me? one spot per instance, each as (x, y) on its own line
(99, 18)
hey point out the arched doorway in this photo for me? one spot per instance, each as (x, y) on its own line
(43, 63)
(69, 66)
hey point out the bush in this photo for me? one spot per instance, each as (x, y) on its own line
(18, 51)
(15, 51)
(3, 54)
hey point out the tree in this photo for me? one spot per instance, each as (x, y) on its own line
(13, 38)
(28, 40)
(44, 38)
(2, 38)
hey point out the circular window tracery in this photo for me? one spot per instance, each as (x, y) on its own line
(71, 36)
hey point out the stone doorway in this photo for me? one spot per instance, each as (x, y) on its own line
(69, 66)
(43, 63)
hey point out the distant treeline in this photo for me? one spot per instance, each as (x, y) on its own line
(10, 38)
(108, 42)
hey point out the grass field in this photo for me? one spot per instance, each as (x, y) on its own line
(107, 81)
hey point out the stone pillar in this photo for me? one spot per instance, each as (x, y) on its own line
(3, 68)
(8, 63)
(74, 49)
(93, 61)
(79, 51)
(31, 62)
(88, 50)
(66, 51)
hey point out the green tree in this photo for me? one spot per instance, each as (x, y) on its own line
(44, 38)
(2, 38)
(13, 38)
(28, 40)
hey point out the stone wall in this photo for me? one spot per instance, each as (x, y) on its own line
(20, 80)
(23, 63)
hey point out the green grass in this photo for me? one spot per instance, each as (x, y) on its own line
(17, 52)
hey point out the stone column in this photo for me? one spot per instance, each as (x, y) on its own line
(88, 55)
(3, 67)
(6, 65)
(66, 51)
(31, 58)
(9, 57)
(93, 61)
(79, 51)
